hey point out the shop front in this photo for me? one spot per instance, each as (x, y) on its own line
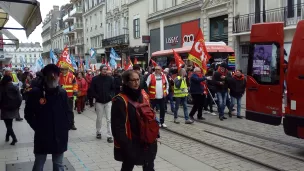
(175, 36)
(141, 54)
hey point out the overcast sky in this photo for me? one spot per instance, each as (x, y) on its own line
(45, 7)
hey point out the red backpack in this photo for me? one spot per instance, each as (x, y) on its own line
(146, 117)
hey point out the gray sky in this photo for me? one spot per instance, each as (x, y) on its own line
(45, 7)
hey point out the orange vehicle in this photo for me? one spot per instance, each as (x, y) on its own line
(218, 51)
(266, 76)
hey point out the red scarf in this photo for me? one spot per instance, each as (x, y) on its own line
(203, 83)
(238, 77)
(222, 73)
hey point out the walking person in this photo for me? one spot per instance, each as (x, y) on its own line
(220, 78)
(197, 93)
(88, 78)
(103, 90)
(117, 81)
(67, 81)
(180, 94)
(130, 146)
(171, 91)
(48, 112)
(211, 92)
(158, 86)
(10, 102)
(82, 92)
(237, 86)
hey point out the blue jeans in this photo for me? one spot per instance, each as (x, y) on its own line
(222, 97)
(170, 99)
(41, 158)
(182, 100)
(235, 100)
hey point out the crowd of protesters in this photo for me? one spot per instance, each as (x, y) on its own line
(120, 97)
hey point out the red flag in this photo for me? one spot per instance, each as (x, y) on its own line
(103, 61)
(65, 60)
(129, 65)
(178, 60)
(153, 63)
(199, 54)
(135, 61)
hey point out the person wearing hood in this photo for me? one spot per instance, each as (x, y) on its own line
(48, 113)
(237, 86)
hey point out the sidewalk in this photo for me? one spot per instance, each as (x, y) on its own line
(85, 152)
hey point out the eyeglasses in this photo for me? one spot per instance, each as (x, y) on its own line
(135, 80)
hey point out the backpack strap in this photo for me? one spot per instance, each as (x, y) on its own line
(127, 123)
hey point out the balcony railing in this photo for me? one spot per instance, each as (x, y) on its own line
(118, 40)
(76, 10)
(68, 29)
(80, 41)
(65, 17)
(289, 15)
(78, 26)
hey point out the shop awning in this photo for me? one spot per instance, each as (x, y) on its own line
(25, 12)
(11, 37)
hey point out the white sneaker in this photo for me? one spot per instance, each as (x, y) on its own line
(206, 112)
(160, 125)
(212, 113)
(164, 125)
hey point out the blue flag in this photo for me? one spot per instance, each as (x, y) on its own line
(40, 62)
(113, 63)
(53, 57)
(114, 55)
(92, 53)
(73, 61)
(87, 64)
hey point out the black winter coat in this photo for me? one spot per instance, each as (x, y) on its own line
(130, 150)
(195, 84)
(217, 79)
(102, 88)
(237, 87)
(50, 121)
(117, 84)
(12, 92)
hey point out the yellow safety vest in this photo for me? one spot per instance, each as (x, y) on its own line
(183, 90)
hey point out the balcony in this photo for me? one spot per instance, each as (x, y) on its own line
(77, 27)
(68, 30)
(289, 16)
(67, 18)
(79, 41)
(114, 41)
(76, 12)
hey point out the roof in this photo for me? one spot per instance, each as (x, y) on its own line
(211, 47)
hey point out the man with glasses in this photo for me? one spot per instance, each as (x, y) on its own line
(158, 86)
(103, 89)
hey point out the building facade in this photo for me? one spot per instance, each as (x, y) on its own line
(26, 55)
(94, 27)
(249, 12)
(173, 24)
(138, 30)
(117, 30)
(74, 28)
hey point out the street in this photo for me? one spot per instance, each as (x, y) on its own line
(229, 145)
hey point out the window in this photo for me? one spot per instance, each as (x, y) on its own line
(264, 63)
(174, 2)
(136, 30)
(155, 5)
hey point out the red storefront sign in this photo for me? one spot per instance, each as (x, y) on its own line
(189, 29)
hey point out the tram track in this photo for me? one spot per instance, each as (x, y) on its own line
(246, 133)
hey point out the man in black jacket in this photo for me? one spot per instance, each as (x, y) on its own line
(117, 81)
(103, 90)
(221, 88)
(47, 112)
